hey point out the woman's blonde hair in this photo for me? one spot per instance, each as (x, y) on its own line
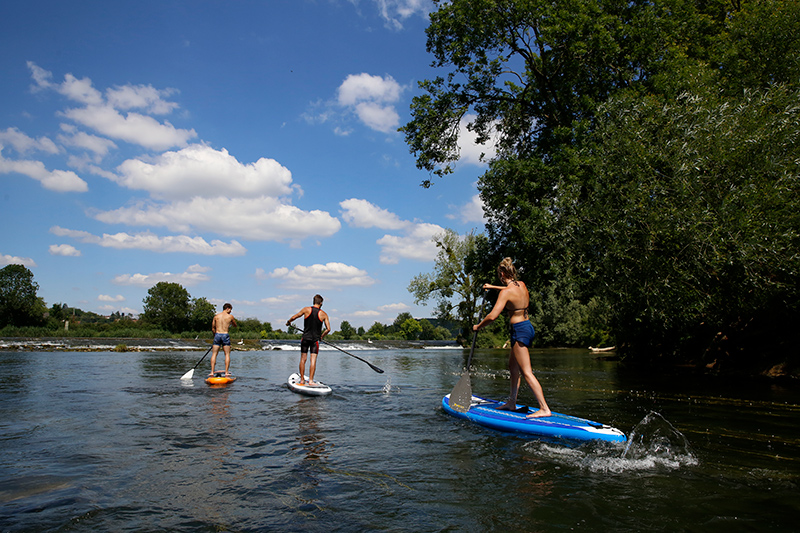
(507, 269)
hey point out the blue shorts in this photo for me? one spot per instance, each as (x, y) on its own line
(523, 333)
(222, 339)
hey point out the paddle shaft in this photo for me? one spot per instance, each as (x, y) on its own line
(461, 395)
(475, 334)
(204, 356)
(190, 373)
(373, 367)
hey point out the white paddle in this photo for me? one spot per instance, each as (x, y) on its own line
(461, 396)
(190, 373)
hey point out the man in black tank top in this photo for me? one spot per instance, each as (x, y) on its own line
(313, 319)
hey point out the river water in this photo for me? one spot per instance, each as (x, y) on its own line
(107, 441)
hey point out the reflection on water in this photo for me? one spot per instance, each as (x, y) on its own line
(105, 441)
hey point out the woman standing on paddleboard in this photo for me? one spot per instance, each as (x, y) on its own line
(514, 299)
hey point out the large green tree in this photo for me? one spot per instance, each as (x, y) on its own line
(19, 303)
(201, 313)
(453, 284)
(346, 330)
(167, 306)
(624, 128)
(697, 206)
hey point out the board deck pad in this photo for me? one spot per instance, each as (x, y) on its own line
(318, 389)
(559, 426)
(219, 378)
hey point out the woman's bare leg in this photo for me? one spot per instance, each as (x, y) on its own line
(523, 359)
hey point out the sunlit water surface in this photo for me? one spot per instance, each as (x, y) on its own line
(106, 441)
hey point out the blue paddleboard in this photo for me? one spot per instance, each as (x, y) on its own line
(485, 413)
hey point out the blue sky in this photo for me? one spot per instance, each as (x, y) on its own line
(247, 150)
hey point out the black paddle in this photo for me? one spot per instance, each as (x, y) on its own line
(373, 367)
(190, 373)
(461, 396)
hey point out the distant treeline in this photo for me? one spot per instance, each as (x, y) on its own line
(169, 312)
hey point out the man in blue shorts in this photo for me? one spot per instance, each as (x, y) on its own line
(220, 326)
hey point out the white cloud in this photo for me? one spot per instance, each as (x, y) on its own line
(154, 243)
(365, 314)
(367, 88)
(193, 179)
(372, 99)
(198, 268)
(113, 308)
(100, 146)
(472, 211)
(41, 77)
(133, 128)
(80, 90)
(65, 250)
(22, 143)
(6, 259)
(260, 219)
(416, 244)
(199, 170)
(144, 97)
(107, 298)
(320, 277)
(394, 12)
(469, 150)
(378, 117)
(364, 214)
(148, 280)
(103, 113)
(283, 299)
(398, 307)
(54, 180)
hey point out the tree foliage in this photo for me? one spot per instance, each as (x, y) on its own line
(453, 282)
(697, 202)
(201, 313)
(167, 306)
(19, 303)
(346, 330)
(646, 154)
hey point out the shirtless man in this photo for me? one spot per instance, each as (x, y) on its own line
(313, 319)
(220, 326)
(514, 299)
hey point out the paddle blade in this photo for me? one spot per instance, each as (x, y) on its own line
(461, 397)
(188, 375)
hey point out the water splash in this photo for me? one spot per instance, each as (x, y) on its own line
(654, 444)
(387, 387)
(655, 437)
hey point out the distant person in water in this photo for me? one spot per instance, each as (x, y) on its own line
(514, 299)
(219, 326)
(313, 319)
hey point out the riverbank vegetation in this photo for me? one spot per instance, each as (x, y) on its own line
(643, 169)
(169, 312)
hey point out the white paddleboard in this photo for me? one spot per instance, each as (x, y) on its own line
(318, 389)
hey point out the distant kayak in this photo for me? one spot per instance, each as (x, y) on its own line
(317, 389)
(485, 413)
(219, 379)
